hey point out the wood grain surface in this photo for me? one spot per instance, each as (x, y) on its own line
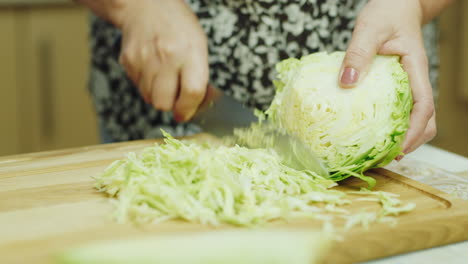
(48, 204)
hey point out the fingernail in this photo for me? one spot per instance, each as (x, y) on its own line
(350, 76)
(406, 150)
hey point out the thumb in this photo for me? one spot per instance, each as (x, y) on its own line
(359, 55)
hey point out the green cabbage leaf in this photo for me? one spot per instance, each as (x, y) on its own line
(350, 130)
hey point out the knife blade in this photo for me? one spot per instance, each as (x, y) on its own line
(222, 114)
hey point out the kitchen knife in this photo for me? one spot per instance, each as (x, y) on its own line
(222, 114)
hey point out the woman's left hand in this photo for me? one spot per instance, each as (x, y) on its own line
(394, 28)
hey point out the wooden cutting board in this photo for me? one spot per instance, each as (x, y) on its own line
(47, 203)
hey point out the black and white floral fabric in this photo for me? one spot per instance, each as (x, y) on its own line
(246, 39)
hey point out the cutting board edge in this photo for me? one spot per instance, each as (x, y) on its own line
(428, 190)
(388, 242)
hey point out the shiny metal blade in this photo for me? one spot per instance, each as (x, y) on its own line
(297, 154)
(225, 114)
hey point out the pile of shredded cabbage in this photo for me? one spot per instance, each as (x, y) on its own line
(224, 184)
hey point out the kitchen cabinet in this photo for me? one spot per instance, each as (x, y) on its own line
(9, 139)
(44, 100)
(452, 105)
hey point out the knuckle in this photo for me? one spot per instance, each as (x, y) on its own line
(364, 27)
(355, 52)
(428, 114)
(362, 23)
(428, 107)
(431, 132)
(127, 58)
(144, 52)
(167, 50)
(430, 110)
(431, 129)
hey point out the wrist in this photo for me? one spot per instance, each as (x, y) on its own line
(117, 10)
(432, 8)
(110, 10)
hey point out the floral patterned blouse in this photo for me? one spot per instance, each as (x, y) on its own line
(246, 39)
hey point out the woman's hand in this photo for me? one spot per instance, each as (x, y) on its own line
(394, 28)
(164, 51)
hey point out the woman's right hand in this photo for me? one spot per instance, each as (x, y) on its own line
(164, 52)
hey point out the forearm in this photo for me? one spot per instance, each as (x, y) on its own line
(110, 10)
(432, 8)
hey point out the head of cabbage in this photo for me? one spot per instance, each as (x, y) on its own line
(350, 130)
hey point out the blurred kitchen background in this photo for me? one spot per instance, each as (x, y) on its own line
(44, 57)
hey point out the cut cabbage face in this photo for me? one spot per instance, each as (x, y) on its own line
(351, 130)
(220, 247)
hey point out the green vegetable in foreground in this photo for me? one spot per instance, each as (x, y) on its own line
(351, 130)
(221, 247)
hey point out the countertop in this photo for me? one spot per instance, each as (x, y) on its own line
(440, 158)
(443, 170)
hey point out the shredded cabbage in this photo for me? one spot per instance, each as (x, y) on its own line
(390, 206)
(213, 185)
